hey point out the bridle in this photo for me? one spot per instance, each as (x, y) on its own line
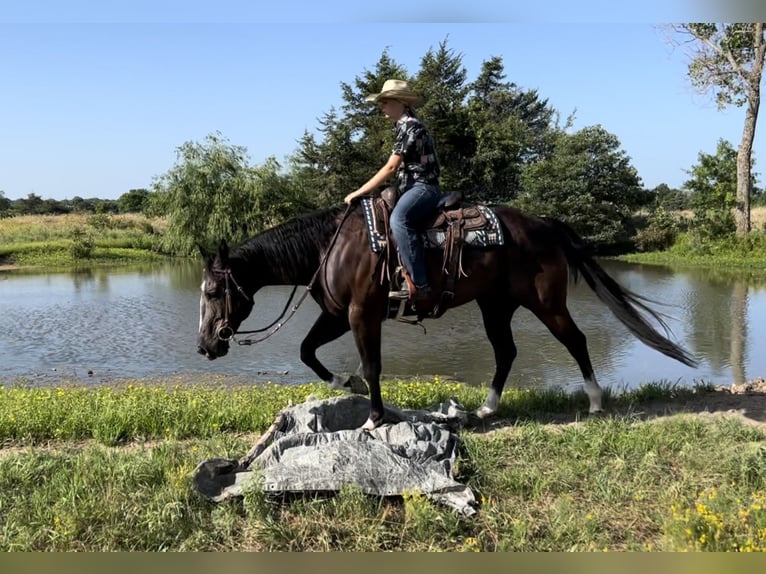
(225, 332)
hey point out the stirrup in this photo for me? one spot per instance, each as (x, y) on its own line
(402, 294)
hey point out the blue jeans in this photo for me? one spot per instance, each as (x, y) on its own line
(417, 202)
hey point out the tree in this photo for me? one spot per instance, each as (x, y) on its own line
(669, 198)
(713, 190)
(353, 142)
(80, 205)
(212, 193)
(133, 201)
(441, 81)
(32, 205)
(484, 131)
(588, 182)
(728, 59)
(510, 127)
(5, 205)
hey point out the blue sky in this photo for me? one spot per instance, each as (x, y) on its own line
(95, 100)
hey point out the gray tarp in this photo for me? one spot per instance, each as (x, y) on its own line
(317, 446)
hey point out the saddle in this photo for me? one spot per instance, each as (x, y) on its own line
(452, 226)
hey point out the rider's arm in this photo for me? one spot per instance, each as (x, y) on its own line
(383, 175)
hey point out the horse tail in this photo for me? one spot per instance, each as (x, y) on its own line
(626, 305)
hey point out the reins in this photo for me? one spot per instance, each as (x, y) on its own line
(276, 324)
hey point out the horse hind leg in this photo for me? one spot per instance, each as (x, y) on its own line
(563, 327)
(497, 315)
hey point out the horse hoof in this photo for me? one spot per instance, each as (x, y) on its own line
(484, 412)
(353, 384)
(356, 385)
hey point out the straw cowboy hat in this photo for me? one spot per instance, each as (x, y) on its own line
(396, 90)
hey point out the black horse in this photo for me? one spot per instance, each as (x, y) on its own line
(531, 269)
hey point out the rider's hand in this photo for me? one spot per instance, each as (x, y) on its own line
(352, 196)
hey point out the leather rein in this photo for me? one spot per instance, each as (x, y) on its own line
(226, 333)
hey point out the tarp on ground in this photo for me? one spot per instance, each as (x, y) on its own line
(318, 446)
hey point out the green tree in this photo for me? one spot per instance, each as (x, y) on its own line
(588, 182)
(5, 205)
(510, 128)
(713, 190)
(134, 201)
(441, 81)
(80, 205)
(484, 131)
(669, 198)
(213, 193)
(352, 143)
(31, 205)
(728, 59)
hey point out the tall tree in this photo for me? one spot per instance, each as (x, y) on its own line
(728, 59)
(441, 81)
(588, 182)
(133, 201)
(352, 143)
(5, 204)
(713, 190)
(212, 193)
(511, 127)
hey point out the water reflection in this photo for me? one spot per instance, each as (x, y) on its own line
(142, 321)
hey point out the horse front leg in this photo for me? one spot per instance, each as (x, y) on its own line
(497, 314)
(325, 329)
(366, 325)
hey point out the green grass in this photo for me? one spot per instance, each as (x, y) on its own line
(110, 469)
(729, 252)
(73, 240)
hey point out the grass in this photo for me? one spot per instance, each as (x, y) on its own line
(110, 469)
(730, 253)
(71, 239)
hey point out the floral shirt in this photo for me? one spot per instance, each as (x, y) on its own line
(414, 144)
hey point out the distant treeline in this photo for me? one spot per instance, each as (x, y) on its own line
(134, 201)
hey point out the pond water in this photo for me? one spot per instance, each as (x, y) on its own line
(102, 325)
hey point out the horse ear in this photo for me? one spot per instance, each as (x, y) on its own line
(223, 251)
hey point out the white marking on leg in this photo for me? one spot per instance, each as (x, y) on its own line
(490, 405)
(594, 392)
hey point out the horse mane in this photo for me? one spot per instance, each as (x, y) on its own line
(292, 248)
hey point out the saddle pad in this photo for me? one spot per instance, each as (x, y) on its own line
(491, 234)
(377, 239)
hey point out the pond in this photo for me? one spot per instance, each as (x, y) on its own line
(100, 325)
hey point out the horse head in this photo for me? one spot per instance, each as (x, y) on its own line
(223, 303)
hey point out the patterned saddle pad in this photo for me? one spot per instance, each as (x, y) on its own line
(482, 227)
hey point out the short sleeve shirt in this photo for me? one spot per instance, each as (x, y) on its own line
(414, 144)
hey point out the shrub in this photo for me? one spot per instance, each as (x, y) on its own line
(82, 244)
(659, 234)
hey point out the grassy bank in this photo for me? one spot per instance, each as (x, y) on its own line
(730, 252)
(110, 469)
(689, 249)
(76, 239)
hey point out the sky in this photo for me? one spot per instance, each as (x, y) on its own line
(95, 100)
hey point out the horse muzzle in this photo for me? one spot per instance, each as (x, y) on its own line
(217, 345)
